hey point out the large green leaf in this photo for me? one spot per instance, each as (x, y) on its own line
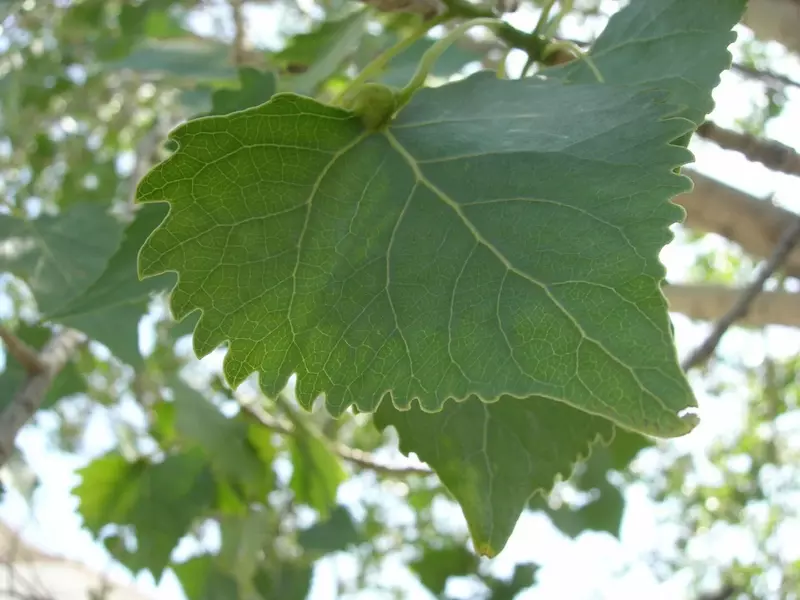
(494, 457)
(501, 237)
(674, 45)
(59, 257)
(159, 500)
(68, 381)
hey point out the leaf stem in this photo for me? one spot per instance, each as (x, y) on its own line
(434, 52)
(378, 64)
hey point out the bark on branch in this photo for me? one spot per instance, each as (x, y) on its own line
(710, 302)
(29, 397)
(756, 225)
(769, 153)
(788, 241)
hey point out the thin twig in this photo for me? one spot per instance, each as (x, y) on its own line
(239, 33)
(769, 153)
(764, 75)
(787, 242)
(351, 455)
(21, 352)
(29, 397)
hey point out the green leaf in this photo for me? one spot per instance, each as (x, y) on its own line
(116, 327)
(437, 565)
(317, 472)
(243, 538)
(256, 88)
(119, 283)
(604, 512)
(430, 260)
(334, 534)
(110, 309)
(323, 51)
(224, 441)
(284, 580)
(202, 579)
(679, 46)
(188, 58)
(68, 381)
(494, 457)
(523, 577)
(159, 500)
(59, 257)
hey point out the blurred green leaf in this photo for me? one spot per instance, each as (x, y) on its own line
(159, 500)
(255, 88)
(119, 283)
(188, 58)
(202, 579)
(243, 539)
(317, 472)
(58, 257)
(437, 565)
(336, 533)
(284, 581)
(223, 440)
(323, 51)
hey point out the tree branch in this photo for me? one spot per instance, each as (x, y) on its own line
(29, 397)
(351, 455)
(754, 224)
(787, 242)
(711, 302)
(769, 153)
(239, 32)
(21, 352)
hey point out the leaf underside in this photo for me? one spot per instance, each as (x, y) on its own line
(506, 244)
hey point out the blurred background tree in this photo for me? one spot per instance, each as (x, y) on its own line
(279, 503)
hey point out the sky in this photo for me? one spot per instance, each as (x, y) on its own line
(607, 567)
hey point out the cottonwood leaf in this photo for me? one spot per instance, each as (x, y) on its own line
(500, 237)
(58, 257)
(494, 456)
(159, 500)
(679, 46)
